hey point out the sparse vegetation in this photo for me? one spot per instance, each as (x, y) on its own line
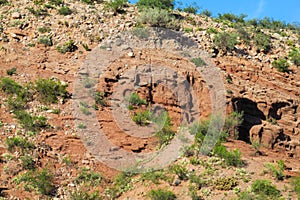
(28, 162)
(281, 65)
(115, 5)
(265, 190)
(225, 183)
(67, 47)
(263, 42)
(11, 71)
(142, 117)
(45, 40)
(161, 194)
(165, 133)
(199, 62)
(88, 177)
(100, 98)
(65, 10)
(18, 142)
(276, 171)
(226, 41)
(49, 90)
(295, 183)
(135, 100)
(164, 4)
(294, 56)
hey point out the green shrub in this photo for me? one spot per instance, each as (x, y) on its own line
(81, 125)
(88, 177)
(31, 123)
(115, 5)
(85, 195)
(100, 98)
(155, 17)
(44, 29)
(41, 180)
(181, 171)
(263, 42)
(206, 13)
(38, 12)
(246, 195)
(232, 158)
(165, 133)
(294, 56)
(45, 40)
(90, 2)
(17, 141)
(264, 188)
(28, 162)
(225, 183)
(161, 194)
(49, 90)
(161, 4)
(276, 171)
(65, 10)
(9, 86)
(232, 18)
(135, 100)
(226, 41)
(56, 2)
(191, 9)
(122, 183)
(232, 123)
(199, 62)
(142, 118)
(67, 47)
(153, 176)
(244, 35)
(211, 30)
(281, 65)
(11, 71)
(295, 183)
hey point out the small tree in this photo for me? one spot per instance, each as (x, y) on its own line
(281, 65)
(226, 41)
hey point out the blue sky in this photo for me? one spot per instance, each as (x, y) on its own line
(284, 10)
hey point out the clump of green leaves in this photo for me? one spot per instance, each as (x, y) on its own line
(263, 42)
(100, 98)
(9, 86)
(28, 162)
(155, 17)
(49, 90)
(226, 41)
(115, 5)
(153, 176)
(232, 158)
(67, 47)
(122, 183)
(281, 65)
(135, 100)
(276, 171)
(265, 190)
(3, 2)
(294, 56)
(164, 4)
(161, 194)
(41, 180)
(86, 176)
(199, 62)
(44, 29)
(18, 142)
(181, 171)
(29, 122)
(225, 183)
(45, 40)
(165, 132)
(142, 117)
(83, 194)
(65, 10)
(295, 183)
(11, 71)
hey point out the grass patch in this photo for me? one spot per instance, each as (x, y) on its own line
(161, 194)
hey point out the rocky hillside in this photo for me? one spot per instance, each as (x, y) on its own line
(50, 132)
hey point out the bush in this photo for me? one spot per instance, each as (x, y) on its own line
(206, 13)
(232, 158)
(232, 18)
(9, 86)
(28, 162)
(85, 195)
(156, 17)
(180, 171)
(67, 47)
(115, 5)
(153, 176)
(56, 2)
(3, 2)
(161, 4)
(161, 194)
(165, 133)
(199, 62)
(142, 118)
(224, 183)
(295, 183)
(49, 90)
(88, 177)
(191, 9)
(135, 100)
(19, 142)
(262, 42)
(65, 10)
(225, 41)
(281, 65)
(45, 40)
(31, 123)
(244, 35)
(100, 98)
(276, 171)
(294, 56)
(41, 180)
(11, 71)
(264, 188)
